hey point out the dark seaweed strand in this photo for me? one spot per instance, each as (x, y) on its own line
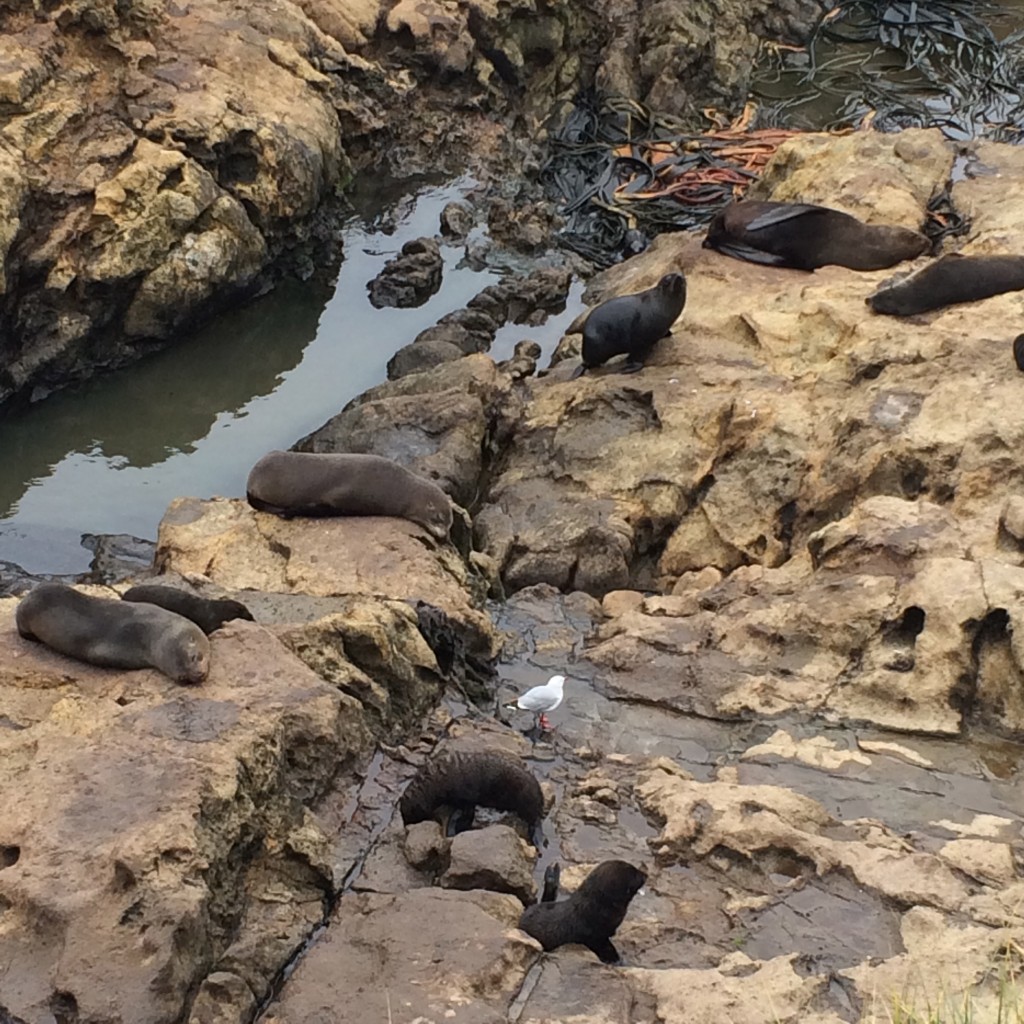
(956, 75)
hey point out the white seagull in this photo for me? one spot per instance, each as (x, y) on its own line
(541, 699)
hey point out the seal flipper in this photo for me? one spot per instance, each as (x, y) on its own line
(604, 949)
(785, 212)
(551, 879)
(745, 252)
(579, 371)
(460, 820)
(1018, 352)
(632, 366)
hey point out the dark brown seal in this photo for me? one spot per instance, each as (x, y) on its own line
(631, 324)
(207, 613)
(946, 281)
(346, 484)
(115, 634)
(591, 915)
(804, 236)
(466, 780)
(1018, 351)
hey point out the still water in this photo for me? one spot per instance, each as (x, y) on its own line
(109, 456)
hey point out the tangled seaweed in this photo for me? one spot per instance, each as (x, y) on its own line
(622, 173)
(899, 64)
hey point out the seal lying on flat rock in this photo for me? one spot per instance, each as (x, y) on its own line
(346, 484)
(951, 279)
(804, 236)
(591, 915)
(207, 613)
(631, 324)
(115, 634)
(466, 780)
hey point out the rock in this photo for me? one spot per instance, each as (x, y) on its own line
(399, 951)
(456, 220)
(524, 360)
(410, 278)
(127, 804)
(223, 999)
(1012, 519)
(425, 846)
(371, 556)
(434, 423)
(420, 356)
(493, 858)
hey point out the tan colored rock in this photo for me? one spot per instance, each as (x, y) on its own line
(432, 953)
(618, 602)
(239, 548)
(1012, 518)
(493, 858)
(127, 803)
(982, 859)
(819, 751)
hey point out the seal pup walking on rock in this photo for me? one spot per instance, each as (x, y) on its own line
(591, 915)
(346, 484)
(631, 324)
(466, 780)
(115, 634)
(804, 236)
(207, 613)
(950, 279)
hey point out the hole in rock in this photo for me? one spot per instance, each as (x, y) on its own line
(910, 625)
(9, 856)
(64, 1007)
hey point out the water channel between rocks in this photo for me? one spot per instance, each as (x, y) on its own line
(109, 456)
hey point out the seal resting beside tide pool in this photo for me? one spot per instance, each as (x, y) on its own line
(114, 634)
(209, 614)
(346, 484)
(805, 237)
(631, 324)
(945, 282)
(591, 915)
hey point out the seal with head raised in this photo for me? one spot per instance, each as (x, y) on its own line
(591, 915)
(115, 634)
(208, 613)
(804, 236)
(948, 280)
(346, 484)
(465, 780)
(631, 324)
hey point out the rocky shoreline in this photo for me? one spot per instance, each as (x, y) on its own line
(163, 161)
(782, 569)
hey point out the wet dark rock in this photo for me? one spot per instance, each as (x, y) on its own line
(493, 858)
(523, 227)
(541, 292)
(456, 220)
(223, 998)
(411, 278)
(422, 355)
(452, 332)
(434, 423)
(118, 556)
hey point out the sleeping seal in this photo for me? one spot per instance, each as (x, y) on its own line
(948, 280)
(591, 915)
(465, 780)
(804, 236)
(346, 484)
(114, 634)
(207, 613)
(631, 324)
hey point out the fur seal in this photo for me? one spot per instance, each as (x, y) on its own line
(207, 613)
(631, 324)
(948, 280)
(591, 915)
(346, 484)
(465, 780)
(115, 634)
(805, 237)
(1018, 351)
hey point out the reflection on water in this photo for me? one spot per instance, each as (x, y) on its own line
(109, 456)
